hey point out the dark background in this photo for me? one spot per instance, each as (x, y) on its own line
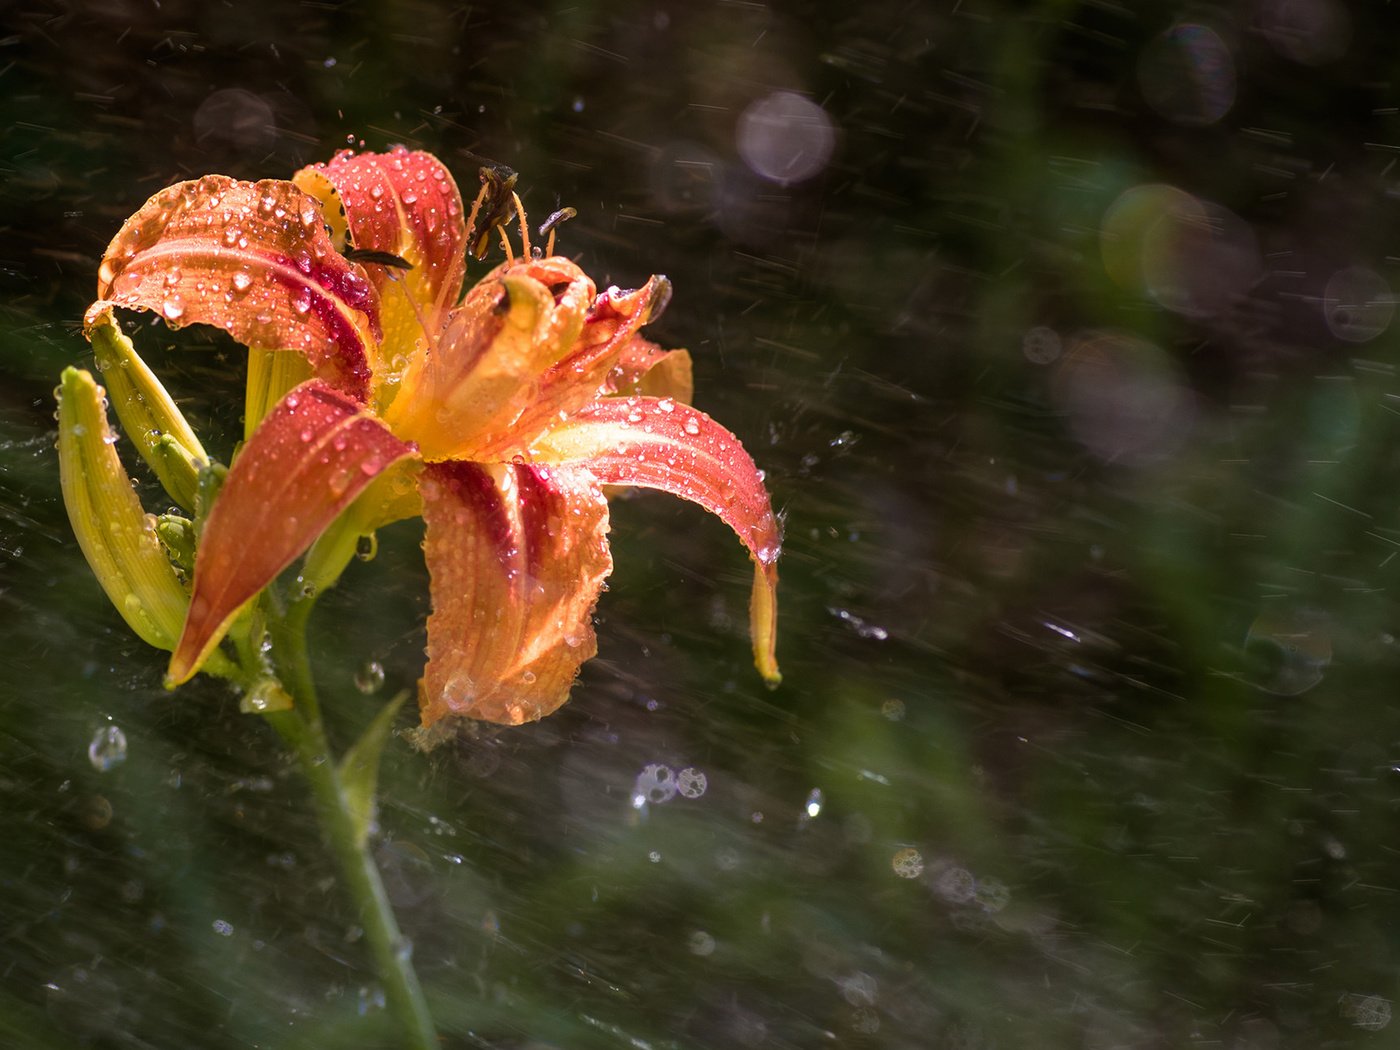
(1088, 622)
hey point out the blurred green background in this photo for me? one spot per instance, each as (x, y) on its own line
(1064, 334)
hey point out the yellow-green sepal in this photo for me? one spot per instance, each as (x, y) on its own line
(271, 375)
(147, 412)
(391, 497)
(265, 696)
(116, 535)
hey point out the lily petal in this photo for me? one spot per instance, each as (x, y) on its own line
(644, 368)
(407, 204)
(518, 556)
(253, 259)
(314, 453)
(661, 444)
(402, 202)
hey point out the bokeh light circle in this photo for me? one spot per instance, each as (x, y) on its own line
(1358, 304)
(785, 138)
(1187, 74)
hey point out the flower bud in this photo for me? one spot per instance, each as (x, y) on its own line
(147, 412)
(177, 536)
(116, 535)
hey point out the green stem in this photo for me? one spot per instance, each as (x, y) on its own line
(301, 728)
(288, 633)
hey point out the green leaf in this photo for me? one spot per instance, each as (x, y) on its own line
(359, 769)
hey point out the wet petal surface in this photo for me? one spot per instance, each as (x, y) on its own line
(518, 555)
(405, 203)
(315, 452)
(253, 259)
(661, 444)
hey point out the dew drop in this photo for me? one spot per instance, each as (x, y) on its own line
(460, 690)
(173, 308)
(366, 547)
(242, 281)
(691, 782)
(692, 427)
(656, 784)
(908, 863)
(370, 677)
(107, 748)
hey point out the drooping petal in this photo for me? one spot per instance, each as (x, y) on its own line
(116, 535)
(517, 555)
(404, 203)
(644, 368)
(662, 444)
(253, 259)
(314, 453)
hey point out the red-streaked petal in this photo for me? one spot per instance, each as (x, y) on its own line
(405, 203)
(253, 259)
(313, 454)
(644, 368)
(518, 555)
(661, 444)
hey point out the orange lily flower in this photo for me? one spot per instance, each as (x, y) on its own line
(498, 418)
